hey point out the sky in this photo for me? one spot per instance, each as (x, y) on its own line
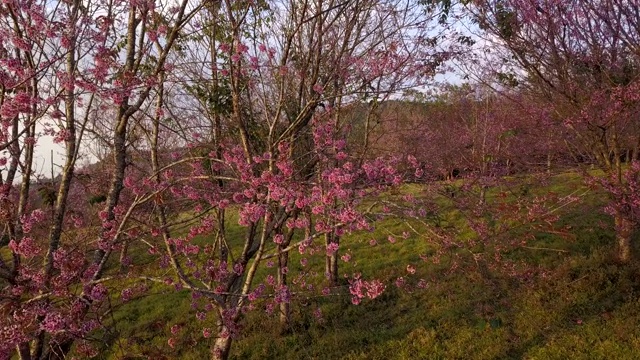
(42, 158)
(46, 147)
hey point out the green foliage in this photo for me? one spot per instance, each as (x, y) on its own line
(97, 199)
(508, 79)
(506, 21)
(445, 7)
(48, 195)
(217, 98)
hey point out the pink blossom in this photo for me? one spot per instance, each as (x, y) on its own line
(53, 322)
(271, 280)
(282, 295)
(278, 239)
(224, 47)
(374, 288)
(201, 315)
(98, 292)
(317, 313)
(175, 329)
(332, 248)
(411, 269)
(37, 215)
(126, 294)
(241, 48)
(238, 268)
(422, 284)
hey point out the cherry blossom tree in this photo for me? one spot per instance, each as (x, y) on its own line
(271, 89)
(206, 114)
(57, 60)
(582, 58)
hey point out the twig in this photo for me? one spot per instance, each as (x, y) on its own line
(543, 248)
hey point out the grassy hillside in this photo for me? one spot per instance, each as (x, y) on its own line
(577, 302)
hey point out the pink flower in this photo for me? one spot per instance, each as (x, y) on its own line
(411, 269)
(278, 239)
(238, 269)
(242, 48)
(126, 294)
(317, 313)
(153, 35)
(37, 215)
(175, 329)
(374, 288)
(332, 248)
(98, 292)
(271, 280)
(224, 47)
(53, 322)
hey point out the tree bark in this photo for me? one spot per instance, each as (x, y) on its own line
(222, 345)
(23, 351)
(285, 307)
(624, 229)
(331, 261)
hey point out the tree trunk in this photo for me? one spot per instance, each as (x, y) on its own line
(285, 307)
(483, 195)
(24, 351)
(331, 261)
(124, 267)
(624, 229)
(222, 345)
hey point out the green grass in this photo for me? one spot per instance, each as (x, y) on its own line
(579, 303)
